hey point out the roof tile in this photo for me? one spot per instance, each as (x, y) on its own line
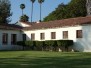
(60, 23)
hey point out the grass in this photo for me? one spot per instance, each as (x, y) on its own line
(37, 59)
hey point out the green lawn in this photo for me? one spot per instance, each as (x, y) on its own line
(35, 59)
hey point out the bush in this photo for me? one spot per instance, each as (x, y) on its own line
(65, 43)
(39, 45)
(47, 45)
(21, 43)
(29, 43)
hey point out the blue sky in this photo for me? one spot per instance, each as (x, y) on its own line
(47, 7)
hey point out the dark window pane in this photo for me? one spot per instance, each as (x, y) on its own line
(53, 35)
(79, 34)
(24, 37)
(13, 38)
(42, 36)
(65, 34)
(33, 36)
(5, 38)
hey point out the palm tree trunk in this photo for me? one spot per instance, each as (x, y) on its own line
(32, 12)
(22, 12)
(40, 12)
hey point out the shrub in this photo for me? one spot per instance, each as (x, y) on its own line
(47, 45)
(39, 45)
(51, 44)
(29, 43)
(21, 43)
(55, 46)
(65, 43)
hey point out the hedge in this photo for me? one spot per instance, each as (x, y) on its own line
(39, 45)
(65, 43)
(21, 43)
(46, 45)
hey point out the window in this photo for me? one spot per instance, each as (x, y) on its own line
(53, 35)
(79, 34)
(13, 38)
(32, 36)
(65, 34)
(5, 38)
(24, 37)
(42, 36)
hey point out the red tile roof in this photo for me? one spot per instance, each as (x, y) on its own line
(50, 24)
(60, 23)
(29, 23)
(10, 27)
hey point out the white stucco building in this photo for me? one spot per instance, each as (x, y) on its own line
(76, 29)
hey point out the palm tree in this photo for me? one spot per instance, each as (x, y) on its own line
(22, 6)
(32, 9)
(40, 2)
(24, 18)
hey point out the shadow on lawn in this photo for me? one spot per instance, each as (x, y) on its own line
(45, 62)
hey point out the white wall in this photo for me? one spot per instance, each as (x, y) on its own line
(22, 24)
(9, 46)
(84, 44)
(71, 33)
(80, 44)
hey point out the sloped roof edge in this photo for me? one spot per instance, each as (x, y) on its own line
(60, 23)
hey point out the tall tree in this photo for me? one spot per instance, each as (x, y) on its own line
(24, 18)
(58, 13)
(76, 8)
(5, 7)
(22, 6)
(32, 9)
(40, 2)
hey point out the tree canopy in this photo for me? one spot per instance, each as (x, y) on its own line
(32, 1)
(75, 8)
(24, 18)
(5, 13)
(22, 6)
(40, 1)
